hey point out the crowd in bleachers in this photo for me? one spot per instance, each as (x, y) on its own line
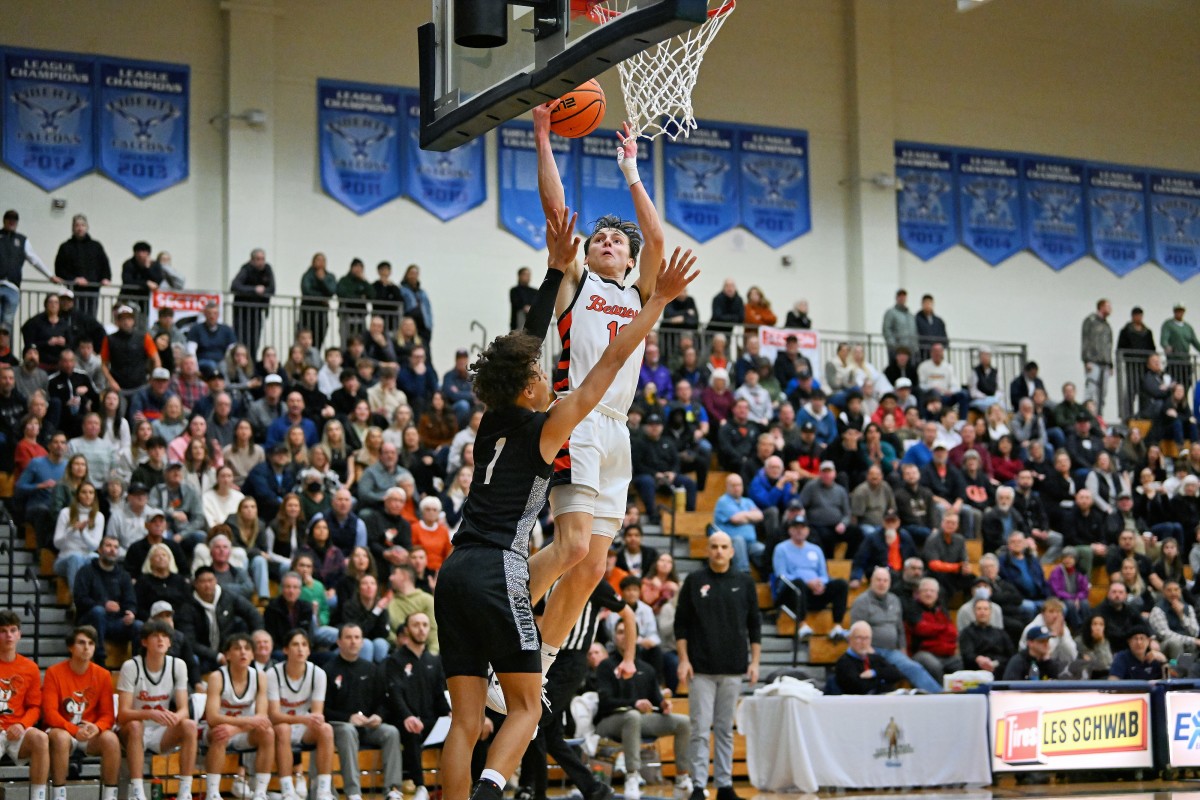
(190, 474)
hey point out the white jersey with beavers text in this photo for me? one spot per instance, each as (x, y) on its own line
(600, 309)
(296, 699)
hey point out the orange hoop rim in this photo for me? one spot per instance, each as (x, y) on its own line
(593, 10)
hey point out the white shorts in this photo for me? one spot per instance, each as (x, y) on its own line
(298, 732)
(152, 736)
(592, 472)
(11, 749)
(239, 741)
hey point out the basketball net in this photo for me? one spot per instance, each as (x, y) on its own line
(658, 82)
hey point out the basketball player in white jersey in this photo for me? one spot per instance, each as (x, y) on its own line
(147, 686)
(236, 717)
(296, 706)
(592, 472)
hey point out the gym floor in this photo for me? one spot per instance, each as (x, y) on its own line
(1123, 790)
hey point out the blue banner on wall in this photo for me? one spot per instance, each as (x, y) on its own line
(602, 187)
(520, 204)
(701, 174)
(774, 190)
(359, 132)
(1175, 223)
(49, 107)
(925, 209)
(1054, 217)
(447, 184)
(1116, 199)
(989, 197)
(143, 139)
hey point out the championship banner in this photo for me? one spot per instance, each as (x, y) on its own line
(774, 184)
(602, 187)
(49, 108)
(701, 175)
(1116, 199)
(1183, 729)
(1069, 730)
(1175, 223)
(359, 127)
(989, 197)
(773, 340)
(142, 144)
(925, 209)
(1053, 199)
(448, 184)
(520, 204)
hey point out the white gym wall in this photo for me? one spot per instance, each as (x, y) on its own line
(1109, 80)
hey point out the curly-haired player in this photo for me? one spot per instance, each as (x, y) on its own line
(483, 605)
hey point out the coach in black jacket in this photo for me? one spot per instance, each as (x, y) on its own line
(416, 691)
(718, 635)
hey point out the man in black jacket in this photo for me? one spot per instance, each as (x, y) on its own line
(389, 534)
(253, 287)
(633, 707)
(214, 615)
(1085, 528)
(718, 635)
(356, 693)
(105, 600)
(656, 467)
(727, 308)
(140, 275)
(72, 395)
(856, 672)
(1119, 616)
(982, 645)
(82, 263)
(285, 613)
(416, 694)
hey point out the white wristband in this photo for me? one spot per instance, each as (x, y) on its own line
(629, 167)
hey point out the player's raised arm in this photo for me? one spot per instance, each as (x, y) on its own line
(563, 244)
(550, 187)
(647, 214)
(672, 279)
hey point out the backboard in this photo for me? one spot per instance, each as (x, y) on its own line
(467, 91)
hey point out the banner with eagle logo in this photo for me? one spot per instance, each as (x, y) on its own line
(142, 142)
(49, 109)
(702, 183)
(774, 190)
(360, 127)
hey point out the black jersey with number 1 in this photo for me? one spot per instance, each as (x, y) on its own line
(511, 477)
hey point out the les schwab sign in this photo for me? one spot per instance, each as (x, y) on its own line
(1069, 730)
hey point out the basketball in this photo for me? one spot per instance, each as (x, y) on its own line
(579, 111)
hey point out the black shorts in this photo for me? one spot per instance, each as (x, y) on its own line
(484, 614)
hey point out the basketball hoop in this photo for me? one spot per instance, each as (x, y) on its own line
(658, 82)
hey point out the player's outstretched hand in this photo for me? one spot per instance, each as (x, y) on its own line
(674, 277)
(628, 149)
(561, 239)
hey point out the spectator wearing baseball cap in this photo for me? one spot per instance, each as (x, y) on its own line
(154, 533)
(827, 504)
(128, 355)
(127, 521)
(1034, 663)
(181, 502)
(1138, 661)
(148, 402)
(657, 467)
(801, 581)
(458, 388)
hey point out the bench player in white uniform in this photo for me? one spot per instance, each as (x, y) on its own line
(590, 484)
(236, 717)
(296, 706)
(147, 686)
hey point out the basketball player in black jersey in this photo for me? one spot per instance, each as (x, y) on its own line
(483, 607)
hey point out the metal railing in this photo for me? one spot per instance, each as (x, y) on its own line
(1130, 368)
(286, 313)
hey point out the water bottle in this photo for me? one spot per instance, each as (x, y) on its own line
(156, 789)
(1035, 672)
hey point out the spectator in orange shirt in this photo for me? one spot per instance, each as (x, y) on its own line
(431, 533)
(20, 708)
(613, 574)
(77, 709)
(758, 308)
